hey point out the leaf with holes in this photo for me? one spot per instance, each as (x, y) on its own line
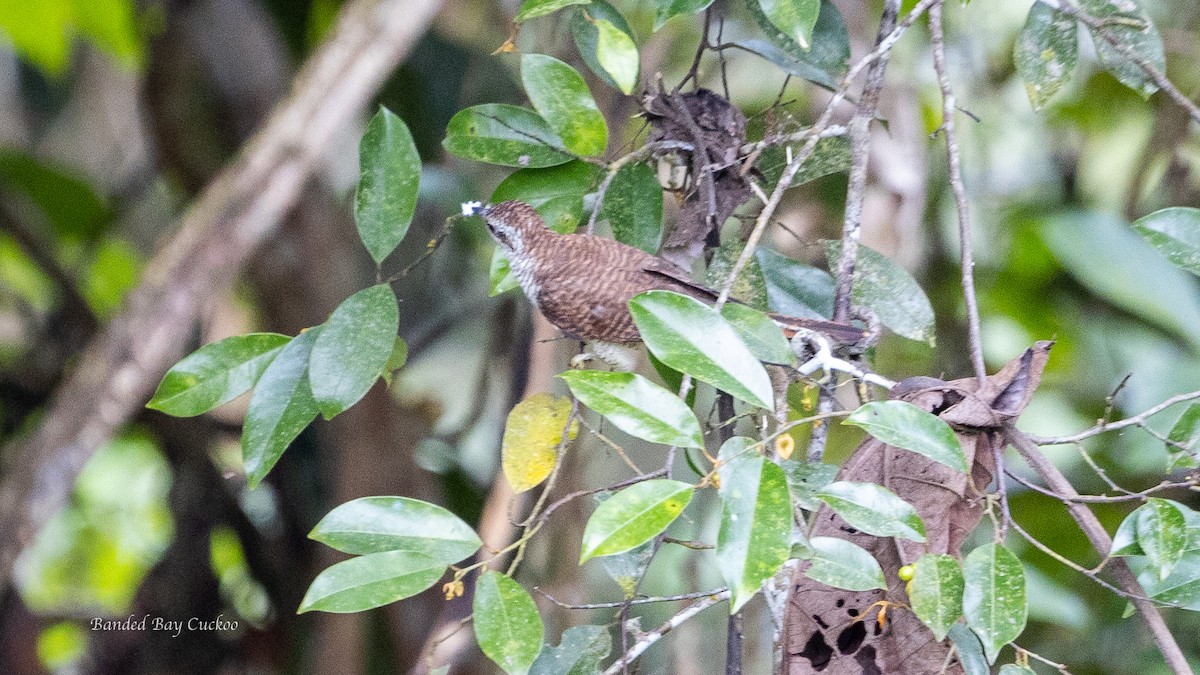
(507, 624)
(873, 509)
(994, 597)
(633, 516)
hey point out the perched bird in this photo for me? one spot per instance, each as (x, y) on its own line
(583, 283)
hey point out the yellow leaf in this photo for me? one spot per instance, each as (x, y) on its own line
(531, 438)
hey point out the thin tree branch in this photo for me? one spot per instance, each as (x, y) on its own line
(1103, 426)
(953, 156)
(216, 235)
(860, 144)
(789, 172)
(633, 601)
(1100, 540)
(647, 639)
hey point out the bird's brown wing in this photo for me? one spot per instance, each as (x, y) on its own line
(657, 267)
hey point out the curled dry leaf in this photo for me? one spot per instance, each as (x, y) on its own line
(822, 634)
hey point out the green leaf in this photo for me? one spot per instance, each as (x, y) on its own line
(216, 374)
(794, 18)
(72, 207)
(693, 338)
(762, 336)
(507, 624)
(556, 193)
(936, 592)
(637, 406)
(378, 524)
(562, 98)
(994, 597)
(601, 27)
(970, 651)
(532, 9)
(672, 8)
(1045, 52)
(628, 568)
(756, 526)
(841, 564)
(390, 173)
(829, 156)
(633, 516)
(1175, 232)
(371, 581)
(503, 134)
(1181, 589)
(1143, 39)
(633, 206)
(1161, 534)
(1185, 436)
(281, 406)
(396, 361)
(795, 289)
(823, 63)
(581, 652)
(805, 479)
(887, 289)
(750, 287)
(1103, 255)
(904, 425)
(873, 509)
(353, 348)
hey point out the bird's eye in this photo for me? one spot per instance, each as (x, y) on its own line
(499, 234)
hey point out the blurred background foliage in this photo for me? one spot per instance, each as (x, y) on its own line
(114, 113)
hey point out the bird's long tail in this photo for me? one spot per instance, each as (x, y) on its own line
(839, 332)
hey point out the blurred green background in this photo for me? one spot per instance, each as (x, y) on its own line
(114, 113)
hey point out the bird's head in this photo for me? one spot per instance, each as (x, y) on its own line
(512, 224)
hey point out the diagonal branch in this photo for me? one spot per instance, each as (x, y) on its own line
(1100, 540)
(216, 235)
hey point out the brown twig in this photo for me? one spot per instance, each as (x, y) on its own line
(645, 640)
(1103, 426)
(1100, 540)
(937, 39)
